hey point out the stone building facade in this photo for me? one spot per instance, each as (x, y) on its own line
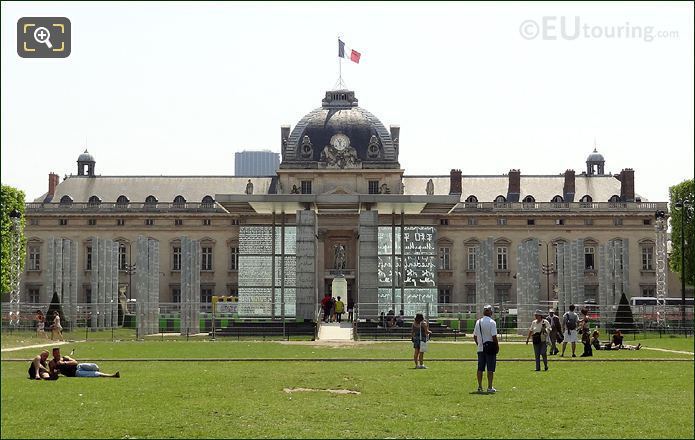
(341, 205)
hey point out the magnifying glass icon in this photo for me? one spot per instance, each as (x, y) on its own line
(42, 35)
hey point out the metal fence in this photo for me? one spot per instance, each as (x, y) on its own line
(512, 319)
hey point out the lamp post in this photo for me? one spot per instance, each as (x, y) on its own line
(547, 268)
(684, 206)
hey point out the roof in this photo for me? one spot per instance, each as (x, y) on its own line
(86, 157)
(164, 188)
(542, 188)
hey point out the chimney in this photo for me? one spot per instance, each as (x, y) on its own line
(455, 182)
(514, 189)
(627, 185)
(53, 181)
(284, 135)
(568, 189)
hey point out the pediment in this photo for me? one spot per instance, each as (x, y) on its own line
(340, 190)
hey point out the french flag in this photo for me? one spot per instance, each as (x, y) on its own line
(347, 53)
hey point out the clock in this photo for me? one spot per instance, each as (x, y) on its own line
(340, 141)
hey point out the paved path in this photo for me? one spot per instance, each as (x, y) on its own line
(50, 344)
(667, 351)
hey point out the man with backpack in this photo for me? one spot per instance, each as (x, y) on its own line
(570, 321)
(555, 331)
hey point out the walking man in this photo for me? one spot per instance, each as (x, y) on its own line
(570, 320)
(555, 331)
(485, 336)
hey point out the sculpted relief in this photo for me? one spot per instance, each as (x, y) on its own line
(340, 154)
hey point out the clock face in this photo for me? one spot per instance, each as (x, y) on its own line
(340, 141)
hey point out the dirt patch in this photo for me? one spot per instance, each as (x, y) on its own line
(301, 390)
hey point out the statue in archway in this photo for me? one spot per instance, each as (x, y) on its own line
(340, 257)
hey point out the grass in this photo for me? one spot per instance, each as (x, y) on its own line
(246, 399)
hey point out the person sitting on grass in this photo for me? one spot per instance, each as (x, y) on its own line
(617, 342)
(69, 367)
(595, 341)
(38, 369)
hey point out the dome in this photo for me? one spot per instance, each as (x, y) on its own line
(86, 157)
(340, 115)
(595, 157)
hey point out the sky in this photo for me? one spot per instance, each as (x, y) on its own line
(178, 88)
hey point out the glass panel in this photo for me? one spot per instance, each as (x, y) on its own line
(255, 240)
(255, 270)
(290, 270)
(420, 271)
(255, 301)
(417, 300)
(290, 302)
(419, 240)
(385, 300)
(290, 240)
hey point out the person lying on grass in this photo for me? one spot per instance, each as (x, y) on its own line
(69, 367)
(617, 343)
(38, 368)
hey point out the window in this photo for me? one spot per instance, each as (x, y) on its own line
(122, 201)
(614, 199)
(531, 222)
(34, 222)
(234, 257)
(34, 252)
(500, 199)
(122, 254)
(92, 222)
(235, 222)
(206, 259)
(589, 255)
(94, 201)
(208, 202)
(206, 222)
(647, 222)
(472, 221)
(233, 291)
(176, 258)
(88, 258)
(206, 294)
(176, 294)
(560, 221)
(647, 257)
(444, 295)
(501, 258)
(586, 199)
(34, 294)
(120, 222)
(150, 201)
(617, 221)
(178, 222)
(88, 294)
(66, 200)
(501, 221)
(471, 199)
(501, 294)
(445, 258)
(472, 257)
(444, 221)
(179, 202)
(649, 291)
(63, 222)
(470, 294)
(149, 222)
(557, 199)
(529, 199)
(306, 187)
(373, 187)
(588, 221)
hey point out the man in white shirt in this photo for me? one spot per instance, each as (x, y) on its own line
(486, 331)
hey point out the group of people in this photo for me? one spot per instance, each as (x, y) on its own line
(56, 328)
(568, 330)
(41, 368)
(333, 309)
(390, 320)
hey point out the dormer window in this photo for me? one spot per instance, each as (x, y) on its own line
(94, 201)
(66, 200)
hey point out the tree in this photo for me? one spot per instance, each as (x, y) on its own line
(682, 191)
(623, 317)
(56, 306)
(10, 199)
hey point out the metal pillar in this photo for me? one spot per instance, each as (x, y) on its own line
(15, 267)
(661, 261)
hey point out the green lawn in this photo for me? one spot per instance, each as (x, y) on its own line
(246, 399)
